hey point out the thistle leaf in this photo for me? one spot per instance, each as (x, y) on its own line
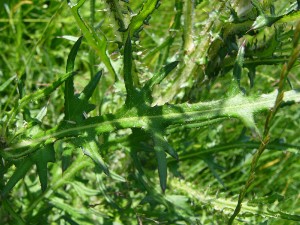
(128, 80)
(91, 149)
(69, 83)
(161, 158)
(20, 172)
(238, 66)
(41, 158)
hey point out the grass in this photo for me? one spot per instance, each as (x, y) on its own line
(149, 112)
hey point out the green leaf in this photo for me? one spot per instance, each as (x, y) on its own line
(91, 149)
(161, 158)
(128, 80)
(78, 214)
(42, 93)
(262, 20)
(6, 83)
(20, 172)
(69, 83)
(97, 41)
(137, 21)
(89, 89)
(41, 159)
(239, 106)
(72, 55)
(42, 113)
(80, 105)
(66, 159)
(158, 77)
(15, 215)
(238, 66)
(160, 140)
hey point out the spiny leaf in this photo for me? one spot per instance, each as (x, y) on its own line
(20, 172)
(91, 149)
(158, 77)
(78, 164)
(72, 55)
(227, 205)
(41, 158)
(66, 157)
(263, 20)
(88, 90)
(162, 166)
(69, 83)
(95, 40)
(238, 66)
(239, 106)
(77, 214)
(128, 80)
(161, 161)
(138, 20)
(160, 140)
(80, 105)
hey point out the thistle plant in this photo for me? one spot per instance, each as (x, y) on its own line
(163, 112)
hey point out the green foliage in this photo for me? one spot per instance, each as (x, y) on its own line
(205, 93)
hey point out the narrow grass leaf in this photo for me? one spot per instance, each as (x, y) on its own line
(79, 214)
(42, 113)
(44, 92)
(6, 83)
